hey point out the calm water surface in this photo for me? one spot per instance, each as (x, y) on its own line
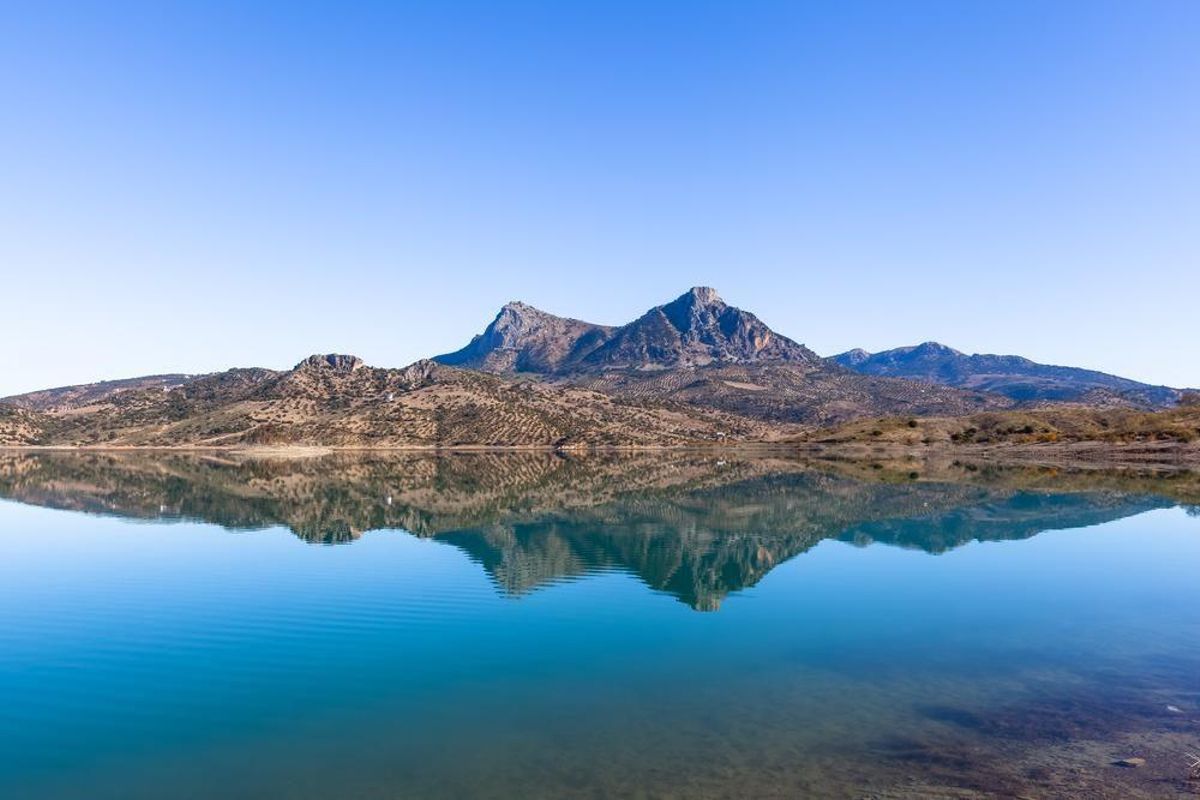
(532, 626)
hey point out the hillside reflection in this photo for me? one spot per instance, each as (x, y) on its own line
(697, 526)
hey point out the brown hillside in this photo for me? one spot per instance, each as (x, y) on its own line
(789, 393)
(337, 401)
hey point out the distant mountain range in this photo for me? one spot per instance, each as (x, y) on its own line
(692, 370)
(1014, 377)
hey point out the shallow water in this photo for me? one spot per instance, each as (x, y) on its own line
(532, 626)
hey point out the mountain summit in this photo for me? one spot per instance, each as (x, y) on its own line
(525, 339)
(695, 329)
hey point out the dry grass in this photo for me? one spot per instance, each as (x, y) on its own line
(1043, 426)
(424, 405)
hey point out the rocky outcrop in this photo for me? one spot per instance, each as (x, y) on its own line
(695, 329)
(524, 339)
(334, 361)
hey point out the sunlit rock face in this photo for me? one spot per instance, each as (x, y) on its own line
(696, 328)
(334, 361)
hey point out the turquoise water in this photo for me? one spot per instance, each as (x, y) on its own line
(642, 628)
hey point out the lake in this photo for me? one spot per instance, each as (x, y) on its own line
(535, 625)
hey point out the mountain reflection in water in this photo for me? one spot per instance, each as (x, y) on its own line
(695, 525)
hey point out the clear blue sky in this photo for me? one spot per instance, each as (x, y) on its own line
(189, 187)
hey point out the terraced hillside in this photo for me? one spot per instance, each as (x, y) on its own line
(338, 401)
(789, 394)
(1055, 434)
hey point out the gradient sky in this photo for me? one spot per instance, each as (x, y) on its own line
(190, 187)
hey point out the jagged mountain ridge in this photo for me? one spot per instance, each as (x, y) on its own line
(1014, 377)
(699, 351)
(525, 339)
(696, 329)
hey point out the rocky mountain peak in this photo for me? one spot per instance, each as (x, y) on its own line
(334, 361)
(703, 296)
(852, 358)
(517, 306)
(515, 309)
(696, 308)
(523, 338)
(932, 348)
(515, 320)
(694, 329)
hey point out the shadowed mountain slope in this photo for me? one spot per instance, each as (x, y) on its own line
(790, 393)
(1014, 377)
